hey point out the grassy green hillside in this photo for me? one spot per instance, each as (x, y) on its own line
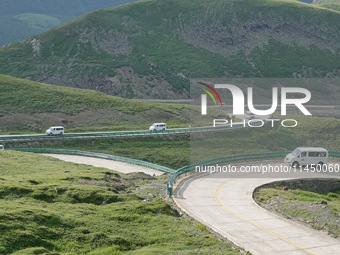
(150, 49)
(53, 207)
(31, 106)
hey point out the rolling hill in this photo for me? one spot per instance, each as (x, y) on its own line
(56, 208)
(151, 49)
(27, 106)
(20, 19)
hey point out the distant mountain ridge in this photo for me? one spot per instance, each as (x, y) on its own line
(69, 8)
(151, 49)
(17, 16)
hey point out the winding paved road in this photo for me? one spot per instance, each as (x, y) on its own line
(110, 164)
(226, 205)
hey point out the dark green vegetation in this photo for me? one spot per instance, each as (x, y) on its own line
(20, 19)
(52, 207)
(27, 106)
(317, 209)
(150, 49)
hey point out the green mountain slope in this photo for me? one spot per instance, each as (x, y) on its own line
(56, 208)
(150, 49)
(31, 106)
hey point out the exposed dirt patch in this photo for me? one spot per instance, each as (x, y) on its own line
(225, 39)
(133, 85)
(112, 41)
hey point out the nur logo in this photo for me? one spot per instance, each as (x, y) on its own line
(204, 97)
(239, 99)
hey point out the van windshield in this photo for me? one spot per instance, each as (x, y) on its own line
(296, 152)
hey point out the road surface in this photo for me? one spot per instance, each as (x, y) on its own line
(110, 164)
(226, 205)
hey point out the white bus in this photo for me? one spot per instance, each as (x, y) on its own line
(303, 156)
(58, 130)
(157, 126)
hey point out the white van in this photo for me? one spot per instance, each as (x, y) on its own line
(249, 115)
(58, 130)
(157, 126)
(304, 156)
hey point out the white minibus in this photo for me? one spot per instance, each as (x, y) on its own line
(249, 115)
(58, 130)
(304, 156)
(157, 126)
